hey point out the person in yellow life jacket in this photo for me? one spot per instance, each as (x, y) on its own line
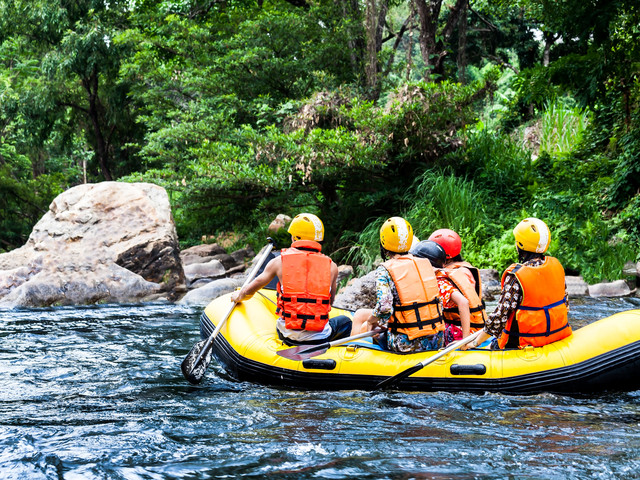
(407, 300)
(533, 305)
(455, 300)
(307, 282)
(465, 278)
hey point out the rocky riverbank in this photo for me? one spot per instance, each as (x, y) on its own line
(116, 243)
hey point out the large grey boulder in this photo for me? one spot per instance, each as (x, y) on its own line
(105, 242)
(619, 288)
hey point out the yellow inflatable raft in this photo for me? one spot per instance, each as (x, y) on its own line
(604, 355)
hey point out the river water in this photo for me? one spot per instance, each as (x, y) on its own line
(97, 393)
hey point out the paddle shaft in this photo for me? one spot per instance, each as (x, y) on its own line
(419, 366)
(248, 280)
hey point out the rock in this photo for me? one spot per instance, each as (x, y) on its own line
(191, 259)
(619, 288)
(243, 255)
(105, 242)
(359, 293)
(212, 270)
(281, 221)
(630, 269)
(212, 290)
(204, 250)
(344, 272)
(576, 286)
(490, 279)
(228, 261)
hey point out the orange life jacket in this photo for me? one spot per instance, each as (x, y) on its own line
(541, 316)
(304, 292)
(472, 292)
(418, 313)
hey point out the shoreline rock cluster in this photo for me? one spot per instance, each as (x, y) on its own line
(116, 243)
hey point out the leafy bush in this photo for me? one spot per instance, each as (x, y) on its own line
(497, 165)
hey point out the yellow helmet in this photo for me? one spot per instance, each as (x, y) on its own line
(532, 235)
(396, 235)
(306, 226)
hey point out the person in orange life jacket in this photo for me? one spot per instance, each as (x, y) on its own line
(307, 282)
(465, 278)
(407, 295)
(533, 305)
(452, 298)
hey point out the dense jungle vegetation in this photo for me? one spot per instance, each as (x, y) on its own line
(463, 114)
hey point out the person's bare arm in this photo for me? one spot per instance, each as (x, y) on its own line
(334, 281)
(271, 270)
(465, 315)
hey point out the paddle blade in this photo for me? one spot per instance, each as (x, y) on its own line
(391, 381)
(194, 369)
(302, 352)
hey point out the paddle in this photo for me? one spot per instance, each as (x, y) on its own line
(419, 366)
(302, 352)
(197, 360)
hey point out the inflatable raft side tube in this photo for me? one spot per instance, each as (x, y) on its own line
(612, 370)
(615, 370)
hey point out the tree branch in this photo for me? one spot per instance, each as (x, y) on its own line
(396, 44)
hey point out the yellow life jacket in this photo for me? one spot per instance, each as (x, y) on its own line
(418, 314)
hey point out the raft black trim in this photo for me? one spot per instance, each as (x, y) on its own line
(607, 371)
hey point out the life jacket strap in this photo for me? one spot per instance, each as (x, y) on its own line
(304, 317)
(545, 308)
(293, 299)
(546, 334)
(458, 323)
(548, 317)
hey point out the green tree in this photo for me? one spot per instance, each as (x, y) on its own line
(63, 70)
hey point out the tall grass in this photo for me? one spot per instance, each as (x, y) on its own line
(444, 201)
(436, 200)
(561, 127)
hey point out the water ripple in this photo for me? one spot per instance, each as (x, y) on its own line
(96, 393)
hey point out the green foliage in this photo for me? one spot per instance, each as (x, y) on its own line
(561, 127)
(497, 164)
(243, 110)
(581, 237)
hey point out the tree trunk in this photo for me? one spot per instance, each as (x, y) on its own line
(412, 16)
(91, 86)
(433, 46)
(375, 20)
(428, 14)
(462, 45)
(355, 42)
(549, 40)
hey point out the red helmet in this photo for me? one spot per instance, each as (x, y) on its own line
(449, 240)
